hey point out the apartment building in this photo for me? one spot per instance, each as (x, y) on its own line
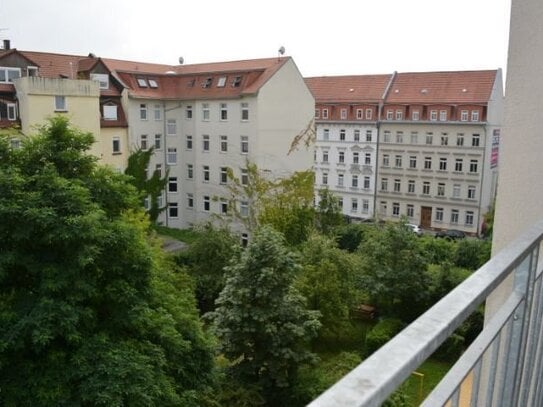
(435, 155)
(346, 116)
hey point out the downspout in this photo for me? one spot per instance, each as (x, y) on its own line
(165, 157)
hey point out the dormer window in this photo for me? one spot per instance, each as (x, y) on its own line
(8, 75)
(32, 71)
(221, 82)
(110, 112)
(236, 82)
(207, 83)
(153, 83)
(102, 79)
(142, 83)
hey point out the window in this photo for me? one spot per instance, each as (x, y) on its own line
(356, 135)
(458, 164)
(326, 134)
(207, 203)
(143, 111)
(386, 136)
(244, 176)
(368, 136)
(354, 181)
(153, 83)
(317, 113)
(415, 115)
(9, 74)
(413, 161)
(439, 214)
(464, 115)
(386, 160)
(414, 137)
(224, 144)
(172, 156)
(342, 135)
(399, 137)
(173, 210)
(384, 184)
(146, 204)
(236, 82)
(158, 169)
(224, 206)
(102, 79)
(427, 163)
(205, 142)
(244, 144)
(354, 204)
(383, 208)
(444, 139)
(189, 142)
(365, 206)
(469, 218)
(443, 164)
(426, 188)
(367, 158)
(32, 71)
(224, 112)
(410, 211)
(172, 184)
(359, 114)
(398, 161)
(433, 115)
(325, 113)
(190, 171)
(397, 185)
(341, 157)
(116, 147)
(429, 138)
(340, 180)
(110, 112)
(369, 114)
(171, 127)
(190, 201)
(244, 208)
(158, 141)
(411, 186)
(60, 104)
(474, 115)
(459, 139)
(471, 192)
(325, 156)
(188, 112)
(244, 239)
(12, 111)
(442, 115)
(366, 182)
(456, 191)
(343, 114)
(395, 209)
(390, 114)
(206, 173)
(441, 189)
(205, 112)
(454, 216)
(221, 82)
(475, 140)
(399, 115)
(473, 164)
(244, 112)
(142, 83)
(224, 175)
(143, 142)
(356, 158)
(324, 178)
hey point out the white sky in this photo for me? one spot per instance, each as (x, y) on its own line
(324, 37)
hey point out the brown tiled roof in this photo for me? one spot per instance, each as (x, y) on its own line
(133, 66)
(54, 65)
(345, 89)
(442, 87)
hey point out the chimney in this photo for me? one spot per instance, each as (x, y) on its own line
(7, 45)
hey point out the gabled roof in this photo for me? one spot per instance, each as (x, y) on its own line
(4, 54)
(348, 89)
(54, 65)
(466, 87)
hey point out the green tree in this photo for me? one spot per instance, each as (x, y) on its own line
(394, 271)
(261, 320)
(472, 253)
(151, 187)
(91, 313)
(350, 236)
(328, 217)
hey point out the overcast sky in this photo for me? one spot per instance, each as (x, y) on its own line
(324, 37)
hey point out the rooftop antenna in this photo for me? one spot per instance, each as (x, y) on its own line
(281, 52)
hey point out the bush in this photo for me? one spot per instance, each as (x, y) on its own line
(472, 254)
(350, 236)
(382, 333)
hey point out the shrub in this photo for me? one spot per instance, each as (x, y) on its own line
(382, 333)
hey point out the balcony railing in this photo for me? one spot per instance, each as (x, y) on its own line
(502, 367)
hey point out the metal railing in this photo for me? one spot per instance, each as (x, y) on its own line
(502, 367)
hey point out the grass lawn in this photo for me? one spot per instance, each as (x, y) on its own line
(185, 235)
(433, 372)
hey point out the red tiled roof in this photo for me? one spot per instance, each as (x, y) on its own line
(353, 88)
(442, 87)
(54, 65)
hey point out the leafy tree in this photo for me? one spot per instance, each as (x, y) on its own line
(394, 271)
(151, 187)
(472, 253)
(328, 216)
(437, 251)
(206, 259)
(91, 311)
(350, 236)
(261, 320)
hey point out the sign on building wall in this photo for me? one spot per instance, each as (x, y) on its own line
(495, 148)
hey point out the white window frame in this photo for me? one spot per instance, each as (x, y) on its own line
(172, 185)
(116, 145)
(244, 144)
(12, 111)
(171, 127)
(110, 112)
(101, 78)
(172, 156)
(61, 104)
(143, 111)
(173, 210)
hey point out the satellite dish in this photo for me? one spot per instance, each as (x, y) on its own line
(282, 50)
(181, 60)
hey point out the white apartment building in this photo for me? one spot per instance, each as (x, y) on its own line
(345, 158)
